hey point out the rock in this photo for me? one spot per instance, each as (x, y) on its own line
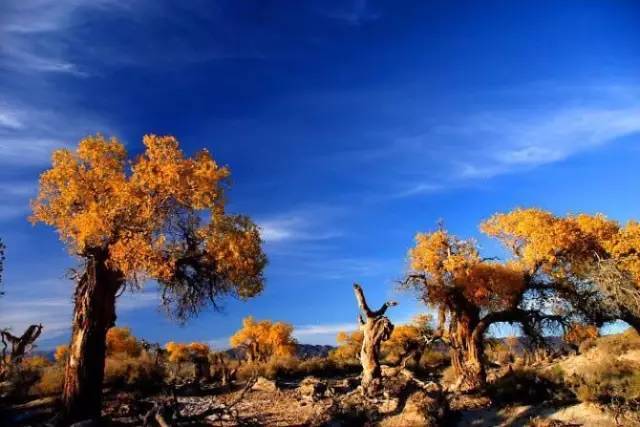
(413, 414)
(312, 388)
(264, 384)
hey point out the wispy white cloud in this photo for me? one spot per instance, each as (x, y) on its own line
(26, 305)
(9, 119)
(311, 223)
(292, 229)
(541, 125)
(304, 331)
(355, 12)
(420, 188)
(34, 131)
(32, 34)
(14, 198)
(514, 143)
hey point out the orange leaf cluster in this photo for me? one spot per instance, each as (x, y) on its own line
(264, 339)
(192, 352)
(160, 216)
(567, 245)
(120, 340)
(578, 332)
(451, 264)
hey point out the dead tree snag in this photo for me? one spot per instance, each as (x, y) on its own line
(19, 345)
(376, 327)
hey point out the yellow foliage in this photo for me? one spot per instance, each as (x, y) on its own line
(147, 216)
(61, 353)
(120, 340)
(349, 345)
(192, 352)
(51, 381)
(449, 262)
(264, 339)
(578, 332)
(35, 362)
(563, 246)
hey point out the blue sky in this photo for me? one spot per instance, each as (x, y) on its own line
(348, 126)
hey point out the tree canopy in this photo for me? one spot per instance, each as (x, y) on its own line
(161, 216)
(592, 261)
(471, 293)
(192, 352)
(263, 339)
(121, 340)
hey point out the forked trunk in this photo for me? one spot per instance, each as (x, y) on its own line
(375, 329)
(94, 314)
(467, 353)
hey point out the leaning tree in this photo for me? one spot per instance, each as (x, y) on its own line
(160, 216)
(376, 328)
(471, 293)
(592, 262)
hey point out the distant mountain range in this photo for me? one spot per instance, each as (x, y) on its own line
(306, 351)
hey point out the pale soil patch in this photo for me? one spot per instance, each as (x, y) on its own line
(582, 414)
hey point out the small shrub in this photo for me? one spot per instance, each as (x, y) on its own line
(24, 376)
(35, 363)
(619, 343)
(556, 374)
(50, 382)
(606, 380)
(527, 386)
(140, 372)
(292, 367)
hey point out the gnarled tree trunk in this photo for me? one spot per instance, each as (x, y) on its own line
(467, 352)
(94, 314)
(375, 328)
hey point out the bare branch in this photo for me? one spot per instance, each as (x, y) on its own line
(362, 302)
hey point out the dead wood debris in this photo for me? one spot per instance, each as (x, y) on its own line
(174, 411)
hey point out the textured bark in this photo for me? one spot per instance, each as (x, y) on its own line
(94, 314)
(375, 328)
(467, 352)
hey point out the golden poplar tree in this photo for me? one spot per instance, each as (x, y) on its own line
(591, 261)
(264, 339)
(195, 352)
(160, 216)
(470, 294)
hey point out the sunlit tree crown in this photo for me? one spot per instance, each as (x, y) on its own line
(568, 245)
(454, 267)
(161, 216)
